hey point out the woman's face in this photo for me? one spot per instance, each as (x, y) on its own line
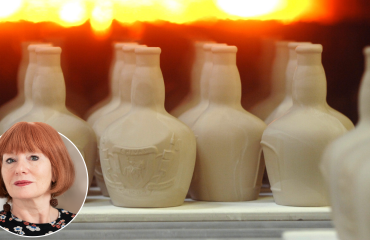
(26, 175)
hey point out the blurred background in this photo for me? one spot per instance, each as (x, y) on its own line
(86, 29)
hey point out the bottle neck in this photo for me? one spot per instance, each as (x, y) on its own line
(126, 76)
(205, 75)
(147, 83)
(289, 74)
(30, 73)
(309, 82)
(279, 68)
(48, 88)
(118, 65)
(364, 95)
(199, 60)
(224, 81)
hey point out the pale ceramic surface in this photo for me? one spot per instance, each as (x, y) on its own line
(16, 102)
(289, 74)
(228, 166)
(310, 235)
(147, 156)
(193, 98)
(294, 143)
(190, 116)
(48, 95)
(125, 104)
(113, 99)
(74, 198)
(265, 108)
(287, 103)
(27, 105)
(340, 155)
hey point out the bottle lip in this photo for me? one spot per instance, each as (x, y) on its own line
(119, 45)
(131, 48)
(208, 46)
(148, 50)
(50, 50)
(293, 45)
(309, 48)
(367, 50)
(224, 49)
(200, 44)
(282, 43)
(32, 47)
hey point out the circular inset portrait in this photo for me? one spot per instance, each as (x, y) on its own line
(43, 182)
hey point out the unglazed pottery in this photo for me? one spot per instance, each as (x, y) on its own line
(48, 96)
(293, 144)
(346, 165)
(125, 104)
(147, 156)
(22, 110)
(228, 166)
(287, 103)
(193, 98)
(113, 99)
(18, 100)
(289, 74)
(189, 117)
(265, 108)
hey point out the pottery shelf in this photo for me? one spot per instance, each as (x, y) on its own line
(99, 209)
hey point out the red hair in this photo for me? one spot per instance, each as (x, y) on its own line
(39, 137)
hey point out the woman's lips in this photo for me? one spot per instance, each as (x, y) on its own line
(22, 183)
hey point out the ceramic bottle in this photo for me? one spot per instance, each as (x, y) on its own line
(289, 73)
(190, 116)
(345, 162)
(18, 100)
(27, 105)
(265, 108)
(113, 99)
(293, 144)
(193, 98)
(228, 166)
(147, 156)
(125, 104)
(48, 96)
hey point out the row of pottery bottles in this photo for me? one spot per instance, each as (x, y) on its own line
(293, 143)
(44, 92)
(346, 166)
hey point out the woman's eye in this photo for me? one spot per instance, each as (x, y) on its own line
(9, 160)
(34, 158)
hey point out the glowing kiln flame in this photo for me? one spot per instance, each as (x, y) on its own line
(102, 12)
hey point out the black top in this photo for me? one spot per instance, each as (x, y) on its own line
(15, 225)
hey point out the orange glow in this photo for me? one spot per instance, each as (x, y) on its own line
(101, 13)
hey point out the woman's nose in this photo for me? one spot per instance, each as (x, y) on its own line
(22, 166)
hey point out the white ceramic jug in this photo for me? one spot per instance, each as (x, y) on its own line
(193, 98)
(228, 166)
(265, 108)
(18, 100)
(125, 104)
(113, 99)
(344, 164)
(147, 156)
(293, 144)
(22, 110)
(189, 117)
(48, 95)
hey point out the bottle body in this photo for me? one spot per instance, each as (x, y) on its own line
(147, 156)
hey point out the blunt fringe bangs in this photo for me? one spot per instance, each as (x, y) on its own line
(39, 137)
